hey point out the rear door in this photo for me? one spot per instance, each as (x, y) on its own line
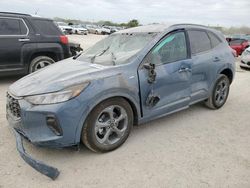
(13, 34)
(202, 67)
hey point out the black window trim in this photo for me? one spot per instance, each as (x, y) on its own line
(27, 33)
(164, 37)
(203, 52)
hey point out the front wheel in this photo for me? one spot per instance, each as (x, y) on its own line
(108, 125)
(219, 94)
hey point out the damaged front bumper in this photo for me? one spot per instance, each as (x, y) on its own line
(36, 164)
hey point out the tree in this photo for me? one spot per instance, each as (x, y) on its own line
(133, 23)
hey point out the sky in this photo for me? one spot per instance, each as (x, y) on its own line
(207, 12)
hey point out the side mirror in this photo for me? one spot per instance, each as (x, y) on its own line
(151, 72)
(149, 66)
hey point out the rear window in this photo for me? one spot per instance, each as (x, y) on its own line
(47, 27)
(199, 41)
(12, 26)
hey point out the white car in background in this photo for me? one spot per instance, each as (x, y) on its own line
(245, 59)
(105, 31)
(65, 28)
(78, 29)
(95, 29)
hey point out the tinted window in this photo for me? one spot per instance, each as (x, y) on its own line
(47, 27)
(23, 28)
(214, 39)
(170, 49)
(199, 41)
(236, 42)
(10, 26)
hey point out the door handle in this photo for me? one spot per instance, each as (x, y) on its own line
(23, 40)
(216, 59)
(184, 69)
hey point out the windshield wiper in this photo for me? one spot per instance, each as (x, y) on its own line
(113, 58)
(77, 55)
(100, 54)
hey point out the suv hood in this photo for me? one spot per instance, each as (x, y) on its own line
(59, 76)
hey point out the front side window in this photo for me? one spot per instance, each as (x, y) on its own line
(199, 41)
(170, 49)
(10, 26)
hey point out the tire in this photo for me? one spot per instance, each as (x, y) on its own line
(111, 133)
(39, 63)
(219, 94)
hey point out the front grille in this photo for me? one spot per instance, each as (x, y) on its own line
(13, 106)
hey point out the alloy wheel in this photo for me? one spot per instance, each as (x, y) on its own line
(111, 125)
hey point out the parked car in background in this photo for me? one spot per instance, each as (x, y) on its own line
(94, 29)
(131, 77)
(239, 45)
(105, 31)
(111, 29)
(241, 36)
(29, 43)
(78, 29)
(65, 28)
(247, 37)
(245, 59)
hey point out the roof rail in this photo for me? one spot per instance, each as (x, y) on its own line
(13, 13)
(189, 24)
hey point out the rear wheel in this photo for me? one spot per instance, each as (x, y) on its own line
(220, 93)
(39, 63)
(108, 125)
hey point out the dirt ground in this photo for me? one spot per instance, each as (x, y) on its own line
(196, 147)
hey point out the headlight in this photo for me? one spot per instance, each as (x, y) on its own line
(57, 97)
(246, 52)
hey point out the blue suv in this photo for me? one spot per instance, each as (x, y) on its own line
(131, 77)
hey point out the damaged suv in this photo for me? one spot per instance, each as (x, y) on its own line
(131, 77)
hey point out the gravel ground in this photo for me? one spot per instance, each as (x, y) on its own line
(196, 147)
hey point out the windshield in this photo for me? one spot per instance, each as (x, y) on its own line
(117, 48)
(62, 24)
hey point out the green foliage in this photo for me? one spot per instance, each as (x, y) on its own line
(133, 23)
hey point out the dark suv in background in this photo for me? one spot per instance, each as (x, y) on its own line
(29, 43)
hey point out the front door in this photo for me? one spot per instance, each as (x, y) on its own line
(171, 89)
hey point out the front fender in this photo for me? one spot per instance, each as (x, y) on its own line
(107, 94)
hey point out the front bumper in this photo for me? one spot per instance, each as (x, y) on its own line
(33, 123)
(244, 64)
(41, 167)
(83, 32)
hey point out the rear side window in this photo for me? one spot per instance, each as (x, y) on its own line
(199, 41)
(12, 26)
(47, 27)
(215, 41)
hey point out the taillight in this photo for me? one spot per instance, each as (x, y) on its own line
(64, 39)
